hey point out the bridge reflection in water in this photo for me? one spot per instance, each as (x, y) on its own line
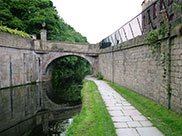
(24, 107)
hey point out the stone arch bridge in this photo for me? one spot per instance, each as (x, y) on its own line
(50, 58)
(29, 60)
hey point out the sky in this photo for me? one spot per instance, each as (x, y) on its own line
(97, 19)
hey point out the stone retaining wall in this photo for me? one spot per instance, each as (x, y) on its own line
(133, 66)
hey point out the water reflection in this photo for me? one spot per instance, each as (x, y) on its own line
(58, 128)
(24, 107)
(54, 123)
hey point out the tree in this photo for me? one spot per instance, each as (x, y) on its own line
(28, 16)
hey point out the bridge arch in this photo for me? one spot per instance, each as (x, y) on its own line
(50, 60)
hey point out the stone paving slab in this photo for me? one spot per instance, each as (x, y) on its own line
(134, 124)
(114, 108)
(138, 117)
(149, 131)
(116, 113)
(127, 120)
(131, 112)
(127, 132)
(121, 125)
(146, 123)
(128, 107)
(121, 119)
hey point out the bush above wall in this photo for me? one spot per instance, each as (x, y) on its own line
(14, 31)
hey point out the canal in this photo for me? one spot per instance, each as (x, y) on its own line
(31, 110)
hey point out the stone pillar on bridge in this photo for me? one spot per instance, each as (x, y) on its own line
(43, 38)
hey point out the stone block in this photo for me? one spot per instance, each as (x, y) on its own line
(134, 124)
(138, 118)
(127, 132)
(146, 123)
(120, 125)
(121, 119)
(149, 131)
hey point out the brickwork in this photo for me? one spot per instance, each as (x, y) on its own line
(105, 65)
(136, 68)
(176, 75)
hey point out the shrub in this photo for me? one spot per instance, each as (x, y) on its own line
(14, 31)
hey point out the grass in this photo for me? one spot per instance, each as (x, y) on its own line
(167, 121)
(94, 119)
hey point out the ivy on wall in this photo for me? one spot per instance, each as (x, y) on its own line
(154, 41)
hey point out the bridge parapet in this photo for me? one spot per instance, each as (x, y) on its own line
(72, 47)
(17, 42)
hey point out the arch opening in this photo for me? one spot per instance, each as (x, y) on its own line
(67, 73)
(52, 63)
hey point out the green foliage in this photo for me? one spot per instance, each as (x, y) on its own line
(28, 16)
(153, 41)
(67, 77)
(167, 121)
(94, 119)
(99, 76)
(14, 31)
(119, 46)
(178, 6)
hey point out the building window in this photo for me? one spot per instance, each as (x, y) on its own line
(155, 10)
(162, 5)
(170, 1)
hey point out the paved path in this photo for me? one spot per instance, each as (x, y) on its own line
(127, 120)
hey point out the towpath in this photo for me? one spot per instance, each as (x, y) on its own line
(127, 120)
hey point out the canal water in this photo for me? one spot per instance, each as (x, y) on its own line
(30, 111)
